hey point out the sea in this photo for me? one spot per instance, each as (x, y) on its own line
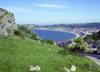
(57, 36)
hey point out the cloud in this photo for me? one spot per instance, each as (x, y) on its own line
(17, 9)
(51, 6)
(25, 10)
(49, 13)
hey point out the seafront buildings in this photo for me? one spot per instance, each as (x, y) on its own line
(82, 31)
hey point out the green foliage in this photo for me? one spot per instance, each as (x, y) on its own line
(79, 46)
(17, 32)
(90, 50)
(50, 41)
(94, 37)
(24, 32)
(12, 14)
(64, 51)
(88, 38)
(34, 36)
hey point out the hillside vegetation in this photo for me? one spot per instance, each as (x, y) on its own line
(93, 37)
(16, 55)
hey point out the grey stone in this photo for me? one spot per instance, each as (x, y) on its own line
(7, 22)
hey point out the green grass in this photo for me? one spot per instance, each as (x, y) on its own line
(17, 55)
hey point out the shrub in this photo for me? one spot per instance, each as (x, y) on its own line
(79, 46)
(17, 32)
(34, 36)
(42, 40)
(50, 41)
(88, 38)
(63, 52)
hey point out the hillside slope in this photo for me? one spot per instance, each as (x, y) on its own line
(17, 55)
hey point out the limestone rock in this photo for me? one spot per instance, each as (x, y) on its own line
(34, 68)
(7, 22)
(67, 70)
(73, 68)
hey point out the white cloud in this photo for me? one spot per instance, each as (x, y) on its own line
(17, 9)
(20, 9)
(51, 6)
(49, 13)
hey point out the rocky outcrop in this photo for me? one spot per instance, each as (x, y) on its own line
(7, 22)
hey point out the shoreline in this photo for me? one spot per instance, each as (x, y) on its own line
(77, 35)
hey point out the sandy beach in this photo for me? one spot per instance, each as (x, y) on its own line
(77, 35)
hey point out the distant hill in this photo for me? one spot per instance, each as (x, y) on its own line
(86, 25)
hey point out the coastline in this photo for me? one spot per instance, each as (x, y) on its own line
(77, 35)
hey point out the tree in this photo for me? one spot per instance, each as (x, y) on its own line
(88, 38)
(79, 46)
(94, 36)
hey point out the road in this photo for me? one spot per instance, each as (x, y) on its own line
(94, 57)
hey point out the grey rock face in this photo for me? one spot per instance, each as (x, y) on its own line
(7, 22)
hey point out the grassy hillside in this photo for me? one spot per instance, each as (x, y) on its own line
(17, 55)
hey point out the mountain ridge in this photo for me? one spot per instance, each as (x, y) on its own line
(78, 25)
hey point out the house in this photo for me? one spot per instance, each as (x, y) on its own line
(93, 45)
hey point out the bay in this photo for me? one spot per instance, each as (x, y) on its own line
(57, 36)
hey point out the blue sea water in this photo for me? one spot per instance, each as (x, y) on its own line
(57, 36)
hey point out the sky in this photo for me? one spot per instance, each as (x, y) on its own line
(45, 12)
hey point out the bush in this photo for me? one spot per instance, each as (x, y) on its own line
(17, 32)
(63, 52)
(50, 41)
(79, 46)
(88, 38)
(42, 40)
(34, 36)
(94, 36)
(25, 29)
